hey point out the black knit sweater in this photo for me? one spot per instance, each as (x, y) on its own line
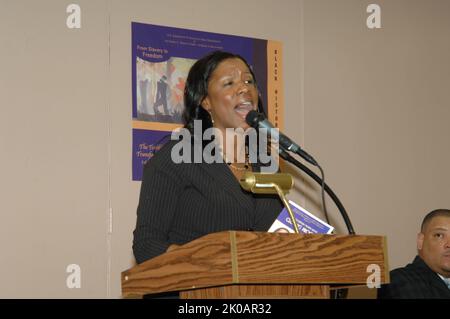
(181, 202)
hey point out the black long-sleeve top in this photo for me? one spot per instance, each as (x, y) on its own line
(414, 281)
(181, 202)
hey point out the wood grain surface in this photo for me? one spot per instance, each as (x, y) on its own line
(259, 258)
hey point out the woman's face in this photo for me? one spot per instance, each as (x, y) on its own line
(231, 95)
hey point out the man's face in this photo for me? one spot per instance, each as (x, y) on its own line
(434, 245)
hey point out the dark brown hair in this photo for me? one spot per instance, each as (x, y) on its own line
(433, 214)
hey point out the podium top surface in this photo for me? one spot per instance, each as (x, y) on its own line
(238, 257)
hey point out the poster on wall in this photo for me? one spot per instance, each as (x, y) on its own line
(161, 59)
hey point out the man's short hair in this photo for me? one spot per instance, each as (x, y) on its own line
(433, 214)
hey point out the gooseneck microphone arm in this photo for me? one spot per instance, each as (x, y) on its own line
(285, 155)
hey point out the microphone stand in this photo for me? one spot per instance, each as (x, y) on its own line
(285, 155)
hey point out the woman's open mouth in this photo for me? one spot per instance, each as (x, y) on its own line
(243, 108)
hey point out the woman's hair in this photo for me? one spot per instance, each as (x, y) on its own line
(196, 88)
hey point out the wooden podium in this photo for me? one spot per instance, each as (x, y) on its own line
(238, 264)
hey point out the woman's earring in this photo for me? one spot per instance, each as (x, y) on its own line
(212, 120)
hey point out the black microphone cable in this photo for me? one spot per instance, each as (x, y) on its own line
(285, 155)
(258, 120)
(302, 153)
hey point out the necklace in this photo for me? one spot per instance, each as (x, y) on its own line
(238, 168)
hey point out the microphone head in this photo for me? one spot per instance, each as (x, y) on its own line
(253, 118)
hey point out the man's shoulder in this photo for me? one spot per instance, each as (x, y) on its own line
(412, 271)
(412, 281)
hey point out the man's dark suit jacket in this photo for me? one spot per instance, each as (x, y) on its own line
(415, 281)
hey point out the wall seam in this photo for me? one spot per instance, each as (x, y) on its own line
(109, 142)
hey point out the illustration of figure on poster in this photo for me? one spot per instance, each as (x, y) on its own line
(160, 89)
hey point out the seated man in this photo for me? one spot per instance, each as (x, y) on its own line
(428, 276)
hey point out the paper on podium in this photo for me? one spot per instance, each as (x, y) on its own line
(307, 222)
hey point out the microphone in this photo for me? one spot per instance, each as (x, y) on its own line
(258, 120)
(260, 183)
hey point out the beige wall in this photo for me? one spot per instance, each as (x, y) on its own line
(371, 105)
(53, 144)
(377, 110)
